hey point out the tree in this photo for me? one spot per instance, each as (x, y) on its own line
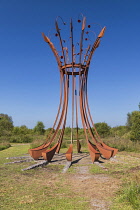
(129, 122)
(68, 130)
(6, 125)
(120, 131)
(39, 128)
(135, 126)
(103, 129)
(21, 130)
(5, 116)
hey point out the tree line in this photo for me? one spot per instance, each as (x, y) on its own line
(22, 134)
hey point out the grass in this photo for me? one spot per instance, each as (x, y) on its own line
(48, 188)
(123, 144)
(131, 194)
(94, 169)
(127, 170)
(128, 197)
(40, 188)
(37, 194)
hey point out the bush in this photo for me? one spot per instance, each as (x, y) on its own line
(64, 144)
(4, 139)
(21, 138)
(135, 128)
(4, 145)
(103, 129)
(120, 131)
(6, 124)
(123, 144)
(39, 128)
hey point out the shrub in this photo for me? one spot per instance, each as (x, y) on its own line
(37, 142)
(64, 144)
(39, 128)
(21, 138)
(120, 131)
(123, 144)
(4, 145)
(103, 129)
(135, 128)
(4, 139)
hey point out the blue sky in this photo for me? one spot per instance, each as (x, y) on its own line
(29, 78)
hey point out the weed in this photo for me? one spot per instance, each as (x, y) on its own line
(94, 169)
(128, 196)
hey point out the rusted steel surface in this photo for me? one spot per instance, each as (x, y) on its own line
(69, 153)
(94, 154)
(107, 153)
(48, 154)
(59, 146)
(102, 32)
(111, 148)
(46, 39)
(37, 152)
(75, 67)
(78, 146)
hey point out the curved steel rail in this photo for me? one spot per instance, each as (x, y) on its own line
(67, 70)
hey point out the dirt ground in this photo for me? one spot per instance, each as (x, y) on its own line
(98, 188)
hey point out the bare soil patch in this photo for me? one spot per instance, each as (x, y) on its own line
(97, 188)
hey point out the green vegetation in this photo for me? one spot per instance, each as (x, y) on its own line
(37, 142)
(135, 126)
(39, 128)
(4, 145)
(48, 187)
(123, 144)
(122, 137)
(125, 138)
(103, 129)
(95, 169)
(120, 132)
(129, 195)
(41, 188)
(6, 126)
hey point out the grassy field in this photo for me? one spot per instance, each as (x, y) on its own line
(111, 184)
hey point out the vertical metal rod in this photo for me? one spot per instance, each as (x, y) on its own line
(76, 106)
(72, 54)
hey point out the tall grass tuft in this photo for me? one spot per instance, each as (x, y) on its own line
(129, 196)
(123, 144)
(39, 140)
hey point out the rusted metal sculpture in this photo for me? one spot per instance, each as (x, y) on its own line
(73, 66)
